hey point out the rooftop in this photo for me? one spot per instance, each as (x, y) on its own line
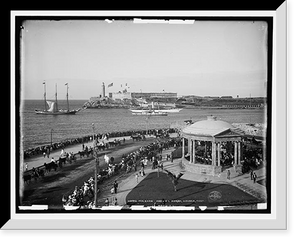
(211, 127)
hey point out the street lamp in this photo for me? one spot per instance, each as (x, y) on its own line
(96, 161)
(51, 136)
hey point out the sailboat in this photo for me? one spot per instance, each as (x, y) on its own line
(51, 107)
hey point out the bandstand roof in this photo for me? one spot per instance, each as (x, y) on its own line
(212, 128)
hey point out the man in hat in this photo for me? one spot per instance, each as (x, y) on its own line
(116, 186)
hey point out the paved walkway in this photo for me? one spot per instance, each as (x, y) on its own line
(39, 160)
(128, 182)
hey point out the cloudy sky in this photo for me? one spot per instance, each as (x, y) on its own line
(207, 58)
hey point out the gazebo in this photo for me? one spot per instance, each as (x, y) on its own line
(213, 135)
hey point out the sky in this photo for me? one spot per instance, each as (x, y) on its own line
(206, 58)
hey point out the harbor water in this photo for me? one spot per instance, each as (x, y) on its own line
(36, 129)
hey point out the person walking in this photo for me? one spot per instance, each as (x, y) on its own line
(116, 186)
(251, 174)
(228, 174)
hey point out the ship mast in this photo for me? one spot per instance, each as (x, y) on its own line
(45, 102)
(67, 96)
(56, 105)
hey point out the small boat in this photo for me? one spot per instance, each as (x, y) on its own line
(53, 107)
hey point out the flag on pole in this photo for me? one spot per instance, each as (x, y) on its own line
(66, 83)
(111, 84)
(43, 82)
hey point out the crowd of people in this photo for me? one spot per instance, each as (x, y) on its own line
(133, 162)
(47, 149)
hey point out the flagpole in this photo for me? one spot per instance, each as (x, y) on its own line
(96, 161)
(45, 102)
(67, 96)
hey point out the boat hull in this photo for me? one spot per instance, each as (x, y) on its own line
(163, 111)
(40, 112)
(149, 113)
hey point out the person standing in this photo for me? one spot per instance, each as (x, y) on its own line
(116, 186)
(115, 202)
(171, 156)
(254, 177)
(251, 174)
(137, 177)
(228, 174)
(48, 152)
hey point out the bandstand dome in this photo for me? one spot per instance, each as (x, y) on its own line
(210, 127)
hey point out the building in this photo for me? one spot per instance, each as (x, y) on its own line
(150, 95)
(138, 95)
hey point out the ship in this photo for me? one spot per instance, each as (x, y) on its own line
(51, 107)
(150, 113)
(159, 109)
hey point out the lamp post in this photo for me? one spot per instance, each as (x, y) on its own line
(96, 161)
(51, 136)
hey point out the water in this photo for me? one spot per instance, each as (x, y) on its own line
(36, 129)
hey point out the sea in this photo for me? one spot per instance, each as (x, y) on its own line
(36, 129)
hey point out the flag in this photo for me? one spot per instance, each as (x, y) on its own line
(66, 83)
(44, 83)
(111, 84)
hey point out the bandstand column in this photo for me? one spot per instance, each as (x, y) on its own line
(239, 153)
(183, 147)
(213, 153)
(219, 154)
(190, 148)
(235, 153)
(194, 148)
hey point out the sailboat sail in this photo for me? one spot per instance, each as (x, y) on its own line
(52, 106)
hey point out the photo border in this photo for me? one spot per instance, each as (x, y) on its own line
(184, 216)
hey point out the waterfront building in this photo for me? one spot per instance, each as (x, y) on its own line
(143, 95)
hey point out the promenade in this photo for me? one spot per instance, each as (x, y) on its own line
(39, 160)
(127, 183)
